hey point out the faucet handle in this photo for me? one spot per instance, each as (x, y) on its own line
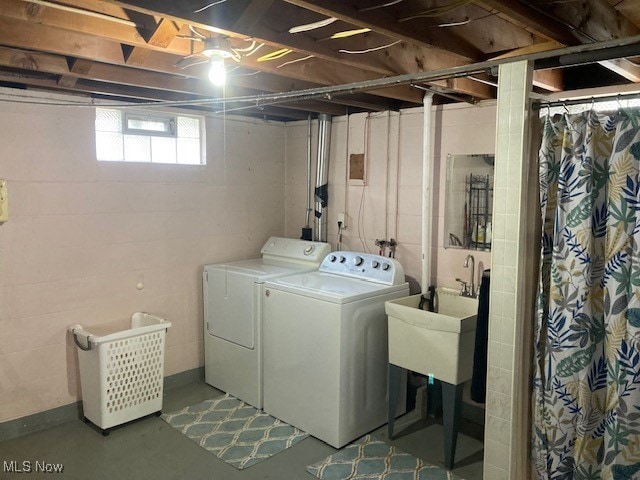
(464, 287)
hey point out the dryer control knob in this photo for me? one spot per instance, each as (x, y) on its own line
(357, 261)
(332, 258)
(342, 259)
(375, 264)
(386, 266)
(309, 250)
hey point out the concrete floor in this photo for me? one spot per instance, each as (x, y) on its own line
(151, 449)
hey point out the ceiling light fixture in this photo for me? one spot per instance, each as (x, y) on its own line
(217, 49)
(217, 72)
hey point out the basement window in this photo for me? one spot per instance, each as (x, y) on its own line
(148, 137)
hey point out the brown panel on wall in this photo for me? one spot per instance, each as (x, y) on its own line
(356, 166)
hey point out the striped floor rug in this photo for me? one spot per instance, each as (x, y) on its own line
(368, 458)
(235, 432)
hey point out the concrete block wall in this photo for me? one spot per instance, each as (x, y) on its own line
(389, 205)
(82, 234)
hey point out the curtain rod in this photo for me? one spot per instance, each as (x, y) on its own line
(580, 101)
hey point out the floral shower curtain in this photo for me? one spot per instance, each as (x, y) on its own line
(586, 391)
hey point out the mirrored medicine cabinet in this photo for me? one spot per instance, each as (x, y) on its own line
(469, 201)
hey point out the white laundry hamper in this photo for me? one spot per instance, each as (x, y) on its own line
(122, 374)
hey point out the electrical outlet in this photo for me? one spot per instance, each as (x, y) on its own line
(341, 219)
(4, 202)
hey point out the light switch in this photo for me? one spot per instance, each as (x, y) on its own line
(4, 202)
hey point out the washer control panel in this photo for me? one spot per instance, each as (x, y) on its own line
(365, 266)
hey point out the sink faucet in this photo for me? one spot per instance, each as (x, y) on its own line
(472, 286)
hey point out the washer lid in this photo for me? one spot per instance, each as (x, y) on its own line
(331, 288)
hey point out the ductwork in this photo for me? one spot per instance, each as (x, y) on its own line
(321, 194)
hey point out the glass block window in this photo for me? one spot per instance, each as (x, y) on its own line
(133, 136)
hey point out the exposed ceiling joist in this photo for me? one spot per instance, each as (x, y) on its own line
(153, 83)
(251, 15)
(572, 23)
(283, 111)
(404, 56)
(77, 66)
(27, 35)
(551, 80)
(162, 36)
(62, 38)
(380, 22)
(524, 15)
(274, 84)
(156, 49)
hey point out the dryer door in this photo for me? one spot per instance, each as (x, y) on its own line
(229, 306)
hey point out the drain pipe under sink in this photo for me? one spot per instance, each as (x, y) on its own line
(427, 207)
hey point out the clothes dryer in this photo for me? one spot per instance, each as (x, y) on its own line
(233, 313)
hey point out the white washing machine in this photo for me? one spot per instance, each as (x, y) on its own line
(233, 313)
(325, 346)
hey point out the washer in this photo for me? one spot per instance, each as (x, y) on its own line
(233, 313)
(325, 345)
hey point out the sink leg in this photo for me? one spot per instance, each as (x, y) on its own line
(451, 399)
(395, 379)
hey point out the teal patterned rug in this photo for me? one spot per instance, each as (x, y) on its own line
(374, 459)
(235, 432)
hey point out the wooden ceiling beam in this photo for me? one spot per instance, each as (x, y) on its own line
(551, 80)
(629, 10)
(525, 15)
(594, 19)
(275, 84)
(624, 68)
(380, 22)
(251, 15)
(22, 10)
(598, 21)
(406, 58)
(122, 77)
(23, 34)
(315, 71)
(77, 66)
(573, 23)
(102, 72)
(61, 38)
(184, 11)
(282, 112)
(164, 33)
(26, 34)
(92, 87)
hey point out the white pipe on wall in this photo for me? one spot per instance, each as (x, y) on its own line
(322, 177)
(427, 173)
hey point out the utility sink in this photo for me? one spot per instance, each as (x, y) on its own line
(440, 344)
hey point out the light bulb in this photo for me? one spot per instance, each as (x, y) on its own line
(217, 72)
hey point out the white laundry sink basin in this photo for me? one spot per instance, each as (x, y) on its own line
(440, 344)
